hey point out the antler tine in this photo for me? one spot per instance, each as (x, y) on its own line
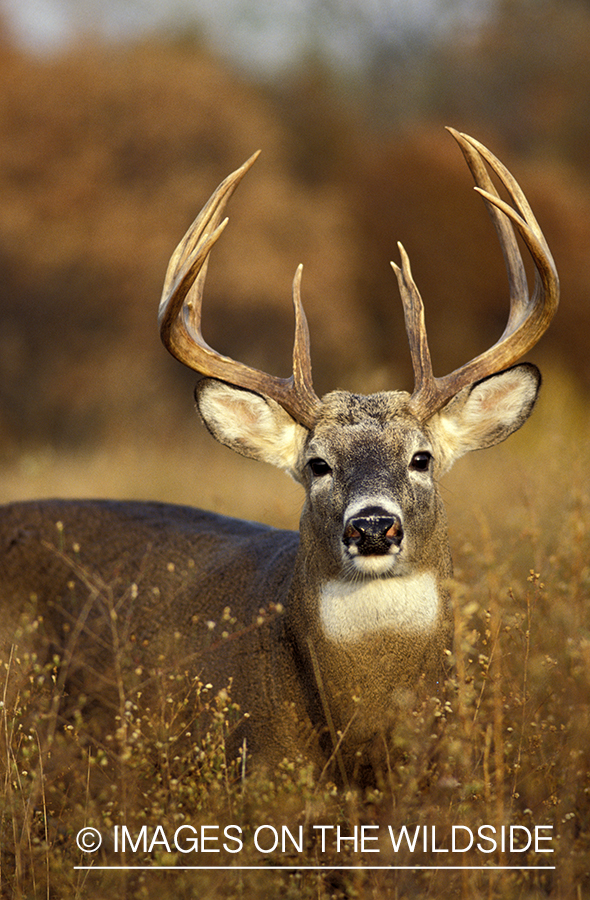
(424, 381)
(180, 315)
(518, 286)
(529, 317)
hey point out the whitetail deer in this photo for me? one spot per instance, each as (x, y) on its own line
(362, 611)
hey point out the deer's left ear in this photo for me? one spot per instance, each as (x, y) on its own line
(251, 424)
(485, 413)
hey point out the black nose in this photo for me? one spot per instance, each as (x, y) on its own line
(373, 533)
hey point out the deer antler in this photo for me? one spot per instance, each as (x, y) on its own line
(180, 315)
(529, 317)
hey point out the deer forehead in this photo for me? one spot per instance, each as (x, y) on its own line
(342, 407)
(352, 424)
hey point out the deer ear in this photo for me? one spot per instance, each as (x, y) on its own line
(251, 424)
(485, 413)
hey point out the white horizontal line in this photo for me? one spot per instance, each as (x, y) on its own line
(315, 868)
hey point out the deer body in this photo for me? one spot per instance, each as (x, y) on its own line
(359, 631)
(163, 571)
(360, 615)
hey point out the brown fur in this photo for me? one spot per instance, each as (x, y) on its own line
(134, 587)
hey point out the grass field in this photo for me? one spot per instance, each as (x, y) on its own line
(507, 746)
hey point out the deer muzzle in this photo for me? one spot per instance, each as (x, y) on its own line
(374, 532)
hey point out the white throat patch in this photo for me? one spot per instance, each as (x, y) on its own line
(353, 610)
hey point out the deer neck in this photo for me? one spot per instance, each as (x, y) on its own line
(363, 645)
(350, 612)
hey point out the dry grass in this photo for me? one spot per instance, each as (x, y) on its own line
(508, 747)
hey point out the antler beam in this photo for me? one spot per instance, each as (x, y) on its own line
(529, 316)
(528, 319)
(180, 315)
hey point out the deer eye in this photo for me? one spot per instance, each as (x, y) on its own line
(421, 461)
(319, 467)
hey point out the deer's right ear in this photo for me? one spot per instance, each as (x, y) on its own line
(486, 413)
(251, 424)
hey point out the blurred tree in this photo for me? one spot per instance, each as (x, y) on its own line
(527, 73)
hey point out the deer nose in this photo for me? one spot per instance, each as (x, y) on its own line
(373, 533)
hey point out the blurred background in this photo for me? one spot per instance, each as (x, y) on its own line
(117, 121)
